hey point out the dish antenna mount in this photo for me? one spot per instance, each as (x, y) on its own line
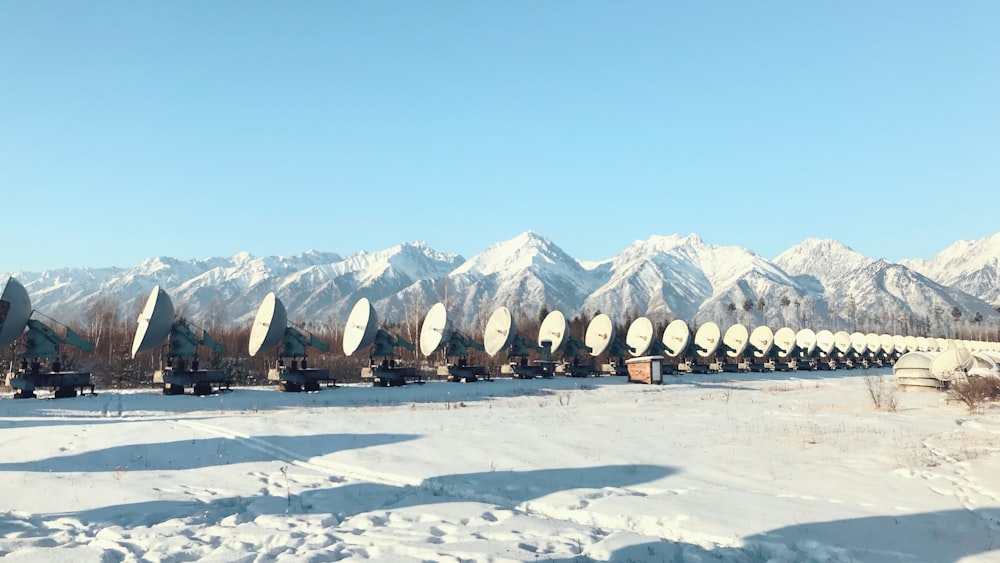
(290, 369)
(437, 333)
(179, 362)
(601, 339)
(362, 331)
(41, 363)
(501, 334)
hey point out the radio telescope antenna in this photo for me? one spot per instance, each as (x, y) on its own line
(641, 338)
(601, 339)
(600, 333)
(899, 345)
(362, 331)
(180, 366)
(707, 340)
(761, 349)
(436, 333)
(785, 349)
(842, 349)
(734, 344)
(805, 341)
(15, 310)
(501, 334)
(859, 349)
(677, 339)
(39, 343)
(269, 330)
(555, 333)
(499, 331)
(554, 330)
(825, 345)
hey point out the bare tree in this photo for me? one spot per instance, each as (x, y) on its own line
(747, 307)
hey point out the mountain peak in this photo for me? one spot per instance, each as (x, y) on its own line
(814, 255)
(519, 253)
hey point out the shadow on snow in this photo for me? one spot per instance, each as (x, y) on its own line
(204, 452)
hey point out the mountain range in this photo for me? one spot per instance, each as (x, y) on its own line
(817, 283)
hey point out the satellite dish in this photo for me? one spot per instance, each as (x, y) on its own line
(911, 344)
(784, 340)
(155, 321)
(842, 342)
(554, 329)
(858, 342)
(15, 310)
(942, 344)
(762, 340)
(600, 333)
(922, 344)
(824, 341)
(899, 343)
(707, 339)
(873, 343)
(805, 339)
(736, 339)
(676, 338)
(951, 363)
(268, 325)
(499, 331)
(433, 329)
(640, 336)
(362, 325)
(886, 341)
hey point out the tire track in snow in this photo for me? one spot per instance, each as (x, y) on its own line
(279, 453)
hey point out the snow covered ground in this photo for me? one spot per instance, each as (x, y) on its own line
(732, 467)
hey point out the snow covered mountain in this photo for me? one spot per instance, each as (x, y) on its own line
(683, 277)
(815, 283)
(971, 266)
(867, 294)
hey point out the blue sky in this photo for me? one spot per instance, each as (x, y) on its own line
(196, 129)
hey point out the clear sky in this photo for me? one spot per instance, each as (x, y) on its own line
(131, 129)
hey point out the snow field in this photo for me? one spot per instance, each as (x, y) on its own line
(731, 467)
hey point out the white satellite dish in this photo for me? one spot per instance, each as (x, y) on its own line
(942, 344)
(707, 339)
(784, 340)
(640, 336)
(361, 328)
(952, 363)
(600, 333)
(554, 329)
(762, 340)
(15, 310)
(268, 325)
(432, 331)
(676, 338)
(859, 343)
(922, 344)
(499, 331)
(886, 341)
(155, 321)
(805, 339)
(911, 344)
(873, 343)
(825, 342)
(899, 343)
(736, 339)
(842, 342)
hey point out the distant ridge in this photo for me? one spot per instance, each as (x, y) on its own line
(816, 282)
